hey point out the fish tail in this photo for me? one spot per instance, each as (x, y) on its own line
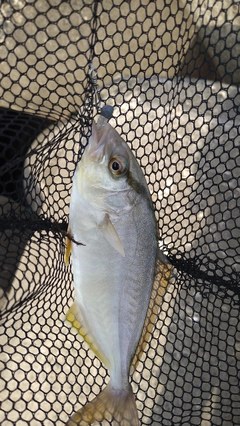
(110, 404)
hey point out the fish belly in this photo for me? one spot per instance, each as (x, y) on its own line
(111, 291)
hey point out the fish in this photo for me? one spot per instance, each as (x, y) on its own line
(112, 217)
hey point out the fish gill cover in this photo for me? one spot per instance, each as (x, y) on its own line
(170, 70)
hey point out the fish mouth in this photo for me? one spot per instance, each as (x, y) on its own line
(105, 142)
(97, 144)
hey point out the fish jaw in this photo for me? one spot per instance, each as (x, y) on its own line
(95, 148)
(103, 142)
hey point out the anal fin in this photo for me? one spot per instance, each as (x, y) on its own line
(72, 317)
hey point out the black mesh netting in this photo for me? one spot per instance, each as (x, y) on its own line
(171, 71)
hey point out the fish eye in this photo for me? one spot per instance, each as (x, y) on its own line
(117, 166)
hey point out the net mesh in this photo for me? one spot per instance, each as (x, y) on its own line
(171, 71)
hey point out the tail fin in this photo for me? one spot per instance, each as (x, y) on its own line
(110, 404)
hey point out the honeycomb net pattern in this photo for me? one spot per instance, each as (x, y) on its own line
(171, 71)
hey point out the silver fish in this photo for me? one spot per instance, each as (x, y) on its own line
(111, 214)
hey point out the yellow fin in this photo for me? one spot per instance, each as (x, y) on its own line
(163, 274)
(68, 248)
(111, 235)
(110, 404)
(72, 317)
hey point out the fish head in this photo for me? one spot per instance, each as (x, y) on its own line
(106, 158)
(108, 174)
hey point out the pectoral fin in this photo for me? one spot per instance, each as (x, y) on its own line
(111, 235)
(68, 248)
(72, 317)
